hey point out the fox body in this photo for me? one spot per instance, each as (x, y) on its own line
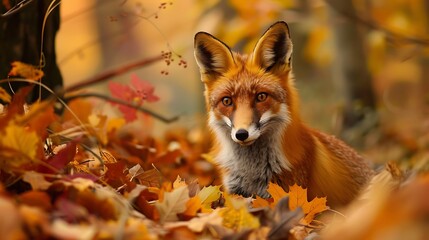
(253, 111)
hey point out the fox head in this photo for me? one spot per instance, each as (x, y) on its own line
(247, 96)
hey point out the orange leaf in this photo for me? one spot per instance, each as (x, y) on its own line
(192, 207)
(4, 96)
(25, 70)
(297, 197)
(276, 192)
(36, 199)
(260, 202)
(317, 205)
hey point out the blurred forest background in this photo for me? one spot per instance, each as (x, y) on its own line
(361, 66)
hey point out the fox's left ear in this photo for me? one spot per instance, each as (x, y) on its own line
(273, 51)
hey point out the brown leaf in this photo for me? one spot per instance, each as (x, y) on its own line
(298, 198)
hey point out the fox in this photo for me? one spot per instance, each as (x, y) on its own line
(258, 134)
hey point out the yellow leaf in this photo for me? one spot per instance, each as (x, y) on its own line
(236, 215)
(113, 124)
(179, 183)
(276, 192)
(26, 71)
(24, 144)
(207, 195)
(4, 96)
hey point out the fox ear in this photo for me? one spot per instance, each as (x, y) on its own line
(273, 51)
(213, 56)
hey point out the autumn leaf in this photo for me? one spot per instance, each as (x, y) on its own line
(259, 202)
(139, 92)
(144, 89)
(192, 207)
(36, 180)
(236, 216)
(25, 70)
(173, 203)
(179, 182)
(276, 192)
(207, 196)
(4, 96)
(22, 142)
(298, 198)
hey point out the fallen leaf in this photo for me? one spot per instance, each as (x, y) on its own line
(298, 198)
(36, 199)
(276, 193)
(192, 207)
(179, 183)
(22, 142)
(236, 216)
(207, 195)
(4, 96)
(26, 71)
(259, 202)
(173, 203)
(36, 180)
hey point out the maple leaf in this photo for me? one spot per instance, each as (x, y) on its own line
(173, 203)
(144, 89)
(22, 142)
(36, 180)
(276, 192)
(139, 92)
(179, 182)
(4, 96)
(25, 70)
(298, 198)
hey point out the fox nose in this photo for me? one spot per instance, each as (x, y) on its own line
(242, 134)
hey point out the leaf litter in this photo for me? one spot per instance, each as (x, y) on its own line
(103, 181)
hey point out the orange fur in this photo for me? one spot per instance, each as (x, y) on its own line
(314, 160)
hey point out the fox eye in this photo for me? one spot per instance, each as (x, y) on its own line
(261, 97)
(227, 101)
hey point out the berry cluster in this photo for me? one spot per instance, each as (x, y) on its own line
(169, 57)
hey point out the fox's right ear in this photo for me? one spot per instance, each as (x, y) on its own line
(213, 56)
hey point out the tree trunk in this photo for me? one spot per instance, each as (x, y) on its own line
(350, 64)
(20, 40)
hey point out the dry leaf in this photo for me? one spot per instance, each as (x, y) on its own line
(26, 71)
(192, 207)
(22, 142)
(298, 198)
(236, 216)
(36, 180)
(179, 183)
(4, 96)
(276, 192)
(173, 203)
(207, 195)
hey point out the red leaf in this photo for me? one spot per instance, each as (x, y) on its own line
(143, 89)
(61, 159)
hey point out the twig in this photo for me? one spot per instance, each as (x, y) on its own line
(115, 72)
(122, 102)
(372, 25)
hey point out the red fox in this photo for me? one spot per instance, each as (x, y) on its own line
(253, 111)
